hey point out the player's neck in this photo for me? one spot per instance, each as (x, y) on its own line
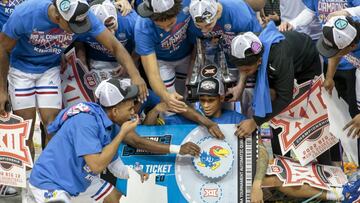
(52, 14)
(217, 114)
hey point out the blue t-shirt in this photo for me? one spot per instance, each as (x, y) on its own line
(124, 33)
(227, 117)
(237, 16)
(61, 165)
(322, 9)
(39, 41)
(6, 9)
(168, 46)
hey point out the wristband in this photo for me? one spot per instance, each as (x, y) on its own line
(174, 149)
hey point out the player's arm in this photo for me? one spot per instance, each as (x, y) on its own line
(329, 83)
(261, 167)
(136, 141)
(153, 114)
(109, 41)
(212, 127)
(98, 162)
(6, 45)
(173, 100)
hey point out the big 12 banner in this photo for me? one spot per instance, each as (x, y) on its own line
(291, 173)
(14, 154)
(222, 173)
(305, 124)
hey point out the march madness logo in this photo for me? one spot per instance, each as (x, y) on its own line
(14, 154)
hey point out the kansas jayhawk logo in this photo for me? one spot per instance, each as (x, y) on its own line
(216, 159)
(212, 159)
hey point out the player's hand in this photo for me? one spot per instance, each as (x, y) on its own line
(257, 195)
(173, 101)
(285, 26)
(338, 13)
(143, 91)
(124, 6)
(274, 16)
(161, 107)
(354, 126)
(129, 126)
(120, 71)
(3, 99)
(144, 177)
(190, 149)
(328, 84)
(245, 128)
(236, 92)
(215, 131)
(63, 63)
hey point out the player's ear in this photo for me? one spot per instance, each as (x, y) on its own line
(222, 98)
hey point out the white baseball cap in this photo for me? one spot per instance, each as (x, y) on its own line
(103, 10)
(149, 7)
(75, 12)
(203, 10)
(338, 33)
(243, 46)
(112, 91)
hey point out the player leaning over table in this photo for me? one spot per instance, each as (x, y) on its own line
(277, 59)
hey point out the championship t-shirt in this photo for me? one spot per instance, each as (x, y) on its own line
(124, 33)
(6, 9)
(168, 46)
(39, 41)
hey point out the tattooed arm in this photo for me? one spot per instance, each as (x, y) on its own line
(261, 166)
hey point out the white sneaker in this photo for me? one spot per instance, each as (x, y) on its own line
(7, 191)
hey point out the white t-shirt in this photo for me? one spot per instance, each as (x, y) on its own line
(291, 8)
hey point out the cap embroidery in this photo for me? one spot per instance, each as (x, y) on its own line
(208, 85)
(255, 47)
(64, 5)
(341, 24)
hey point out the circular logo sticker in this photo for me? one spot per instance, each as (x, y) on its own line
(255, 47)
(65, 5)
(209, 71)
(227, 27)
(216, 158)
(341, 24)
(210, 192)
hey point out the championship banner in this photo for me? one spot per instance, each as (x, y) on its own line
(305, 124)
(14, 154)
(291, 173)
(77, 82)
(222, 173)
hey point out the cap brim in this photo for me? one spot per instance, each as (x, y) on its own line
(325, 50)
(80, 27)
(132, 92)
(208, 94)
(144, 11)
(235, 61)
